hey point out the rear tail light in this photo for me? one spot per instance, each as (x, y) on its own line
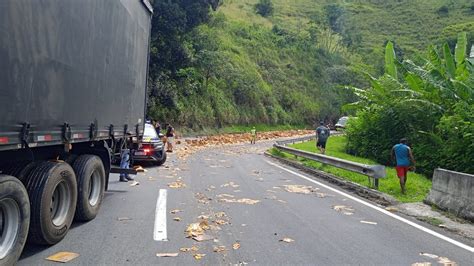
(147, 151)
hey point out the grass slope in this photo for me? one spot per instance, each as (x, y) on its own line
(412, 24)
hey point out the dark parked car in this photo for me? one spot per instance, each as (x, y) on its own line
(152, 148)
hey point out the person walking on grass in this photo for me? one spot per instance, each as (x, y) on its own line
(253, 132)
(322, 135)
(402, 154)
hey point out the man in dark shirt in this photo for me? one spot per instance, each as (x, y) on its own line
(322, 135)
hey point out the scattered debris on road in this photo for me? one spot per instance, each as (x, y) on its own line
(196, 229)
(243, 201)
(164, 255)
(202, 198)
(139, 169)
(177, 184)
(221, 222)
(203, 237)
(134, 183)
(391, 209)
(287, 240)
(220, 214)
(300, 189)
(122, 219)
(441, 260)
(63, 257)
(193, 248)
(199, 256)
(177, 219)
(231, 184)
(236, 246)
(191, 146)
(175, 211)
(367, 222)
(219, 249)
(225, 196)
(346, 210)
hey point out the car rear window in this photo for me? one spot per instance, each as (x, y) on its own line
(150, 132)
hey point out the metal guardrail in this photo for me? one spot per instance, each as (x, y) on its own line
(373, 171)
(295, 140)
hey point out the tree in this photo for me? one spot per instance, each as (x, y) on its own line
(264, 8)
(334, 15)
(171, 22)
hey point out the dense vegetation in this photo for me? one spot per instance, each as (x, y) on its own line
(221, 63)
(430, 103)
(235, 66)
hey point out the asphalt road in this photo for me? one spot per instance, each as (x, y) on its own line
(360, 234)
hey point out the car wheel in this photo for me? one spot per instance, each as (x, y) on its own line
(162, 160)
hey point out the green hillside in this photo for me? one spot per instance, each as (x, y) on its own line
(290, 68)
(411, 24)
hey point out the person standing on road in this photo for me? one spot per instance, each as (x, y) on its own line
(403, 155)
(157, 127)
(322, 135)
(170, 137)
(125, 164)
(253, 132)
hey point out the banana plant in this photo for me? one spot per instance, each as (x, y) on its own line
(440, 82)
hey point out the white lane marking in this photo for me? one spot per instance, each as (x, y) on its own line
(159, 231)
(424, 229)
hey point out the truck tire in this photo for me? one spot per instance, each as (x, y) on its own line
(19, 170)
(52, 189)
(162, 160)
(14, 219)
(90, 176)
(70, 159)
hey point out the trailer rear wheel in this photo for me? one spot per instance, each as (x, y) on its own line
(52, 189)
(14, 219)
(90, 175)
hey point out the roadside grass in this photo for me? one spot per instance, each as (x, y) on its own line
(430, 220)
(417, 186)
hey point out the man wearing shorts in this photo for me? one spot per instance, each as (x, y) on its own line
(403, 155)
(322, 135)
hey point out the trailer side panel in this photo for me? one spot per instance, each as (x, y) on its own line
(73, 62)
